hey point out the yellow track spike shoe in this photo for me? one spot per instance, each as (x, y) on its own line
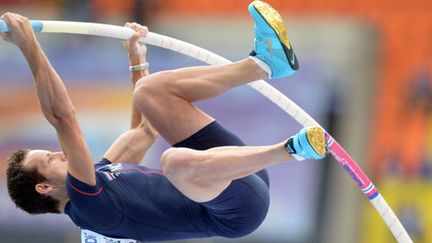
(271, 41)
(309, 143)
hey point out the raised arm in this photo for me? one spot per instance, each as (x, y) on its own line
(132, 145)
(53, 98)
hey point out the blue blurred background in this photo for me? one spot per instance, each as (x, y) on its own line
(357, 78)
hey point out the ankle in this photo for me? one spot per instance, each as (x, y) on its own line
(261, 68)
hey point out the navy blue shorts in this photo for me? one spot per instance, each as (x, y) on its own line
(242, 207)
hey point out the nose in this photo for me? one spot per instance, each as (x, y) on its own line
(60, 155)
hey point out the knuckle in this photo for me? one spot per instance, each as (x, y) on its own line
(7, 15)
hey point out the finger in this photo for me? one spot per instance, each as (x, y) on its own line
(11, 20)
(6, 15)
(141, 30)
(17, 16)
(144, 31)
(20, 20)
(135, 27)
(136, 35)
(131, 26)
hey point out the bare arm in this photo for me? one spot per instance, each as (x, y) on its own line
(53, 98)
(137, 54)
(132, 145)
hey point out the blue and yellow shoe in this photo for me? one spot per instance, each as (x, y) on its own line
(309, 143)
(271, 41)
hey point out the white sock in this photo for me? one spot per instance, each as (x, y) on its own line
(262, 65)
(297, 157)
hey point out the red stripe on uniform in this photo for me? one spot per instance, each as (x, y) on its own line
(142, 171)
(85, 193)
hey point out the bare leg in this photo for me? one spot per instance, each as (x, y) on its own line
(166, 98)
(198, 83)
(203, 175)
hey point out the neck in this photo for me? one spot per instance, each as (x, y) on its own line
(62, 204)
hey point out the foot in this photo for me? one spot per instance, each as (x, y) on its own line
(309, 143)
(271, 41)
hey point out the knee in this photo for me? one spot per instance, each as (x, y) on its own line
(155, 83)
(155, 86)
(179, 164)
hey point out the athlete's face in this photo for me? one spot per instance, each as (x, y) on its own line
(52, 165)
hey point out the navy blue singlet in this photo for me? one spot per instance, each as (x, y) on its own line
(135, 202)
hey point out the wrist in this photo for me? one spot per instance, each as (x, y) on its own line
(136, 61)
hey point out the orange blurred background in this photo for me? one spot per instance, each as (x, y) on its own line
(390, 136)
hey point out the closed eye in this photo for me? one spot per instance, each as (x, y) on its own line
(50, 159)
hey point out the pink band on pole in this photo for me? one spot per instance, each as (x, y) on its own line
(351, 167)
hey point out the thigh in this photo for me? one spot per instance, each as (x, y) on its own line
(212, 135)
(173, 117)
(239, 209)
(216, 135)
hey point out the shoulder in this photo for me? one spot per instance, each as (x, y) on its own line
(76, 188)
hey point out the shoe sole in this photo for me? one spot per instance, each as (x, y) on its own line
(275, 21)
(317, 140)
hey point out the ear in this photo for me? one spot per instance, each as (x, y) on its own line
(44, 188)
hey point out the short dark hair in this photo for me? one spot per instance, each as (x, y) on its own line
(21, 184)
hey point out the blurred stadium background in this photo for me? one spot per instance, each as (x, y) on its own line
(365, 75)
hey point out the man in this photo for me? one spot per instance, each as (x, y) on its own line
(211, 184)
